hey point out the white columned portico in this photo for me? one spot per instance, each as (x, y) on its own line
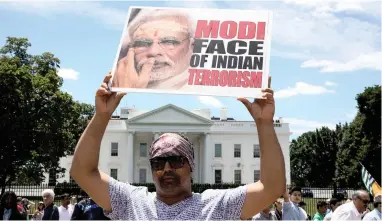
(207, 158)
(130, 157)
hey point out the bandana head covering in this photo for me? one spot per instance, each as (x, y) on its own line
(173, 144)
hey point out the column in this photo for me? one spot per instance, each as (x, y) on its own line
(130, 157)
(206, 159)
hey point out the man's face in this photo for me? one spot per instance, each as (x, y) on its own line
(168, 41)
(65, 201)
(323, 209)
(295, 196)
(48, 199)
(171, 175)
(361, 202)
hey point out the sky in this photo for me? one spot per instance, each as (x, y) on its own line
(323, 53)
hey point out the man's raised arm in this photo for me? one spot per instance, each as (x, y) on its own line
(272, 166)
(84, 169)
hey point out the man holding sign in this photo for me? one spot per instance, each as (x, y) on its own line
(172, 164)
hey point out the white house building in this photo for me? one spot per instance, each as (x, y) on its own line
(226, 150)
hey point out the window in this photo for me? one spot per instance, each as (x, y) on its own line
(52, 176)
(237, 176)
(218, 150)
(142, 176)
(114, 173)
(256, 151)
(237, 151)
(143, 150)
(114, 149)
(218, 176)
(256, 175)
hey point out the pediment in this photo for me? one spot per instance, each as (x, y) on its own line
(169, 114)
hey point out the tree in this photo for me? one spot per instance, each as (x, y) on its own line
(332, 157)
(313, 157)
(362, 141)
(39, 123)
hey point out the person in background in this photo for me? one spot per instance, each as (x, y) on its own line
(20, 205)
(333, 204)
(375, 214)
(353, 210)
(26, 205)
(51, 210)
(327, 210)
(291, 208)
(65, 213)
(73, 202)
(8, 207)
(87, 209)
(278, 208)
(266, 214)
(322, 206)
(38, 214)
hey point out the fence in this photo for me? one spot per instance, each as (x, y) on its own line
(310, 195)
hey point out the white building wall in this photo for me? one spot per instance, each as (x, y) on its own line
(226, 133)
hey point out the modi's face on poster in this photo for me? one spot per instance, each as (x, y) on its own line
(167, 40)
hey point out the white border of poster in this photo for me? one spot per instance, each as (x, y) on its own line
(194, 15)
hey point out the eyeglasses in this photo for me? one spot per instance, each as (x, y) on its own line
(168, 43)
(176, 162)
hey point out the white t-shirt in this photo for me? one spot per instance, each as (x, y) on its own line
(346, 211)
(65, 214)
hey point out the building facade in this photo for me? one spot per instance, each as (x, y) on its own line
(226, 150)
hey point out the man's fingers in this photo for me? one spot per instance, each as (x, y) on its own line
(104, 85)
(102, 91)
(130, 62)
(107, 78)
(268, 96)
(119, 97)
(145, 74)
(269, 81)
(246, 102)
(267, 90)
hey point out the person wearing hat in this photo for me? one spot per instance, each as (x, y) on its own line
(375, 214)
(172, 164)
(291, 205)
(39, 213)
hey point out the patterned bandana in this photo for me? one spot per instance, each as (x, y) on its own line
(172, 144)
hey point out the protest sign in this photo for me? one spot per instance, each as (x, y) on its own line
(200, 51)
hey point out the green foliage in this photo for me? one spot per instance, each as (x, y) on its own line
(313, 157)
(332, 157)
(38, 122)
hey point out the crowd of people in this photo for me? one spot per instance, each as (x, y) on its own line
(71, 208)
(291, 207)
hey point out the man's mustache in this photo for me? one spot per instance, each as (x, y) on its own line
(169, 175)
(157, 61)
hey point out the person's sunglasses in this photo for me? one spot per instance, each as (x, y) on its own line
(176, 162)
